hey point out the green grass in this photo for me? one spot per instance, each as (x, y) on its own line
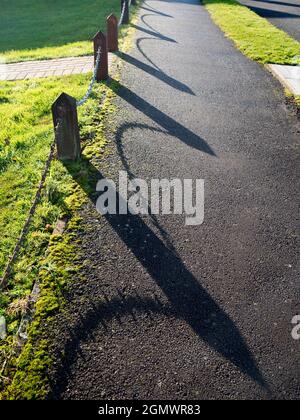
(25, 138)
(42, 29)
(26, 133)
(253, 35)
(28, 126)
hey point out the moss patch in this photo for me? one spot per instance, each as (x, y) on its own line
(54, 260)
(59, 264)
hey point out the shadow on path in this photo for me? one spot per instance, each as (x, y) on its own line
(157, 73)
(171, 126)
(153, 33)
(268, 13)
(151, 9)
(278, 3)
(188, 300)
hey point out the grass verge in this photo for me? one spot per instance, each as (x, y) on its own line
(52, 260)
(59, 263)
(253, 35)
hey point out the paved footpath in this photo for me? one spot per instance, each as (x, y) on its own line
(47, 68)
(165, 310)
(285, 14)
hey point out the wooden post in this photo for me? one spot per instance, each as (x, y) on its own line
(100, 41)
(112, 33)
(125, 19)
(65, 120)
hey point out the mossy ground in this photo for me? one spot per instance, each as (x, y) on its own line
(51, 259)
(25, 138)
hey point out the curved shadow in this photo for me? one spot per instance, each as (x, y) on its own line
(171, 126)
(153, 33)
(157, 73)
(276, 14)
(188, 300)
(151, 9)
(146, 23)
(115, 308)
(138, 45)
(120, 149)
(278, 3)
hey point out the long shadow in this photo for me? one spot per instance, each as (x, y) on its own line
(268, 13)
(120, 149)
(150, 9)
(278, 3)
(188, 299)
(153, 33)
(139, 40)
(146, 23)
(156, 73)
(171, 126)
(138, 46)
(100, 314)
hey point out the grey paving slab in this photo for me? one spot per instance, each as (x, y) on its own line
(289, 76)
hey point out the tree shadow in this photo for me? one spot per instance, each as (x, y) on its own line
(188, 300)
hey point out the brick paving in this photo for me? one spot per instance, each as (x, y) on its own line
(46, 68)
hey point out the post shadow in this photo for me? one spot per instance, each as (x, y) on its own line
(153, 33)
(276, 14)
(146, 23)
(278, 3)
(138, 46)
(188, 299)
(170, 125)
(157, 73)
(98, 314)
(150, 9)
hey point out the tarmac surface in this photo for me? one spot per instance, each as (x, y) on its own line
(163, 310)
(281, 13)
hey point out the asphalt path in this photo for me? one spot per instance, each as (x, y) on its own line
(281, 13)
(165, 310)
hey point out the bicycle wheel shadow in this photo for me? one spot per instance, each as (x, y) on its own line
(188, 299)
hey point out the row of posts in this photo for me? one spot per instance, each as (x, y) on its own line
(64, 109)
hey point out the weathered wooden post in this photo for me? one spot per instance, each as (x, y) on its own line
(100, 41)
(65, 120)
(125, 19)
(112, 33)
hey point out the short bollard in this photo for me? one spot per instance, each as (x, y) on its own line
(101, 42)
(112, 33)
(65, 120)
(125, 19)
